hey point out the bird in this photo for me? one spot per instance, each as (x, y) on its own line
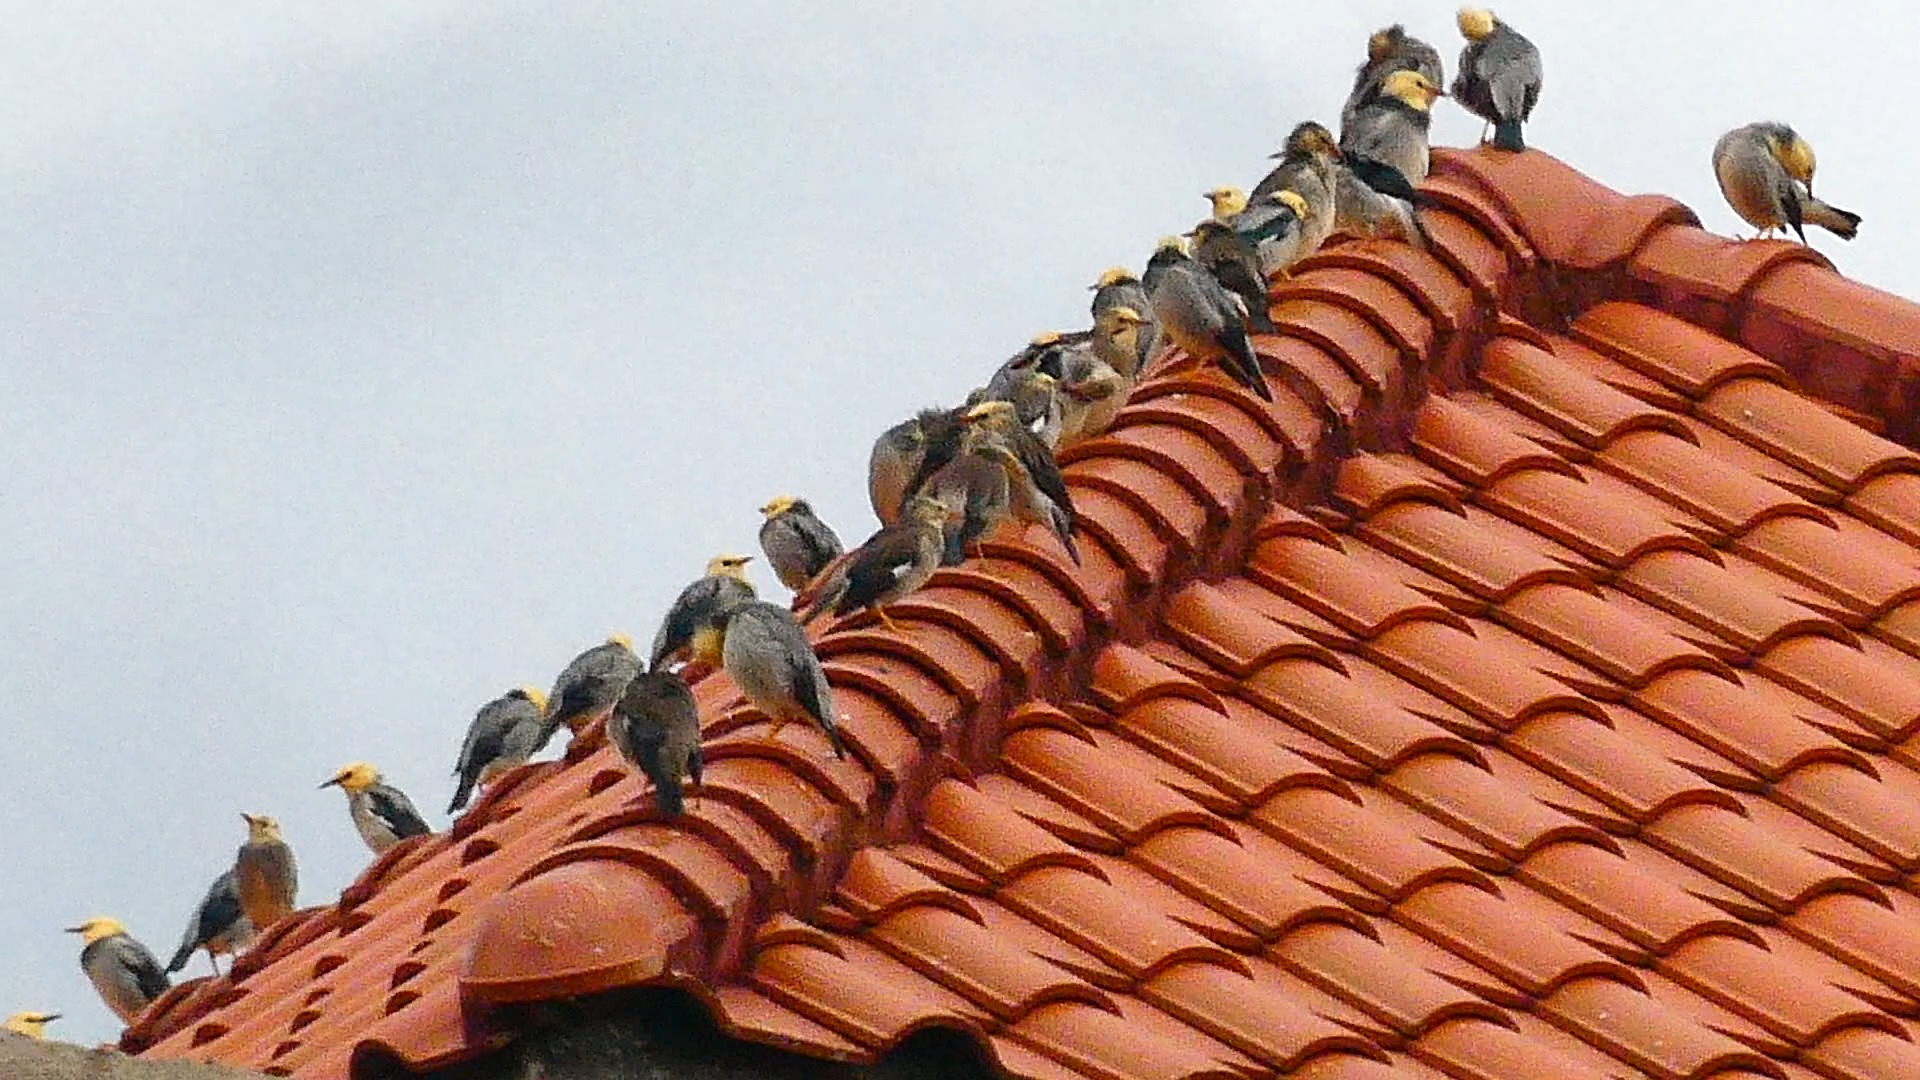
(31, 1024)
(1094, 392)
(767, 655)
(123, 972)
(1226, 201)
(1309, 167)
(1037, 492)
(1198, 314)
(1244, 251)
(1118, 287)
(587, 687)
(217, 926)
(1031, 385)
(1389, 49)
(724, 582)
(975, 491)
(798, 545)
(1391, 129)
(1498, 77)
(943, 429)
(504, 734)
(381, 812)
(1766, 174)
(264, 873)
(890, 565)
(656, 727)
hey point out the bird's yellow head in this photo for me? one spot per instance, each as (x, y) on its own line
(991, 412)
(625, 641)
(1413, 88)
(1475, 23)
(777, 505)
(1311, 138)
(1795, 155)
(1114, 275)
(100, 926)
(31, 1024)
(733, 566)
(1119, 317)
(1292, 200)
(1226, 200)
(1044, 338)
(261, 829)
(1176, 244)
(533, 694)
(356, 777)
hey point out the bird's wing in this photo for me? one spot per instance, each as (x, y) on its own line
(393, 808)
(823, 544)
(138, 962)
(1382, 178)
(877, 566)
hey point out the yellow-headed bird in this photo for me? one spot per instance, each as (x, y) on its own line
(725, 582)
(1498, 78)
(767, 654)
(1309, 167)
(31, 1024)
(381, 813)
(1198, 314)
(798, 545)
(265, 874)
(656, 728)
(1226, 201)
(1766, 173)
(890, 565)
(1117, 287)
(1038, 492)
(1392, 129)
(504, 734)
(122, 970)
(1389, 49)
(217, 926)
(587, 687)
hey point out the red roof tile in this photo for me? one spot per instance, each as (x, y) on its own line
(1550, 713)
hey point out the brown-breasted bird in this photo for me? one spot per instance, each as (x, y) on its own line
(1498, 78)
(1765, 171)
(974, 489)
(656, 728)
(264, 873)
(905, 455)
(798, 545)
(891, 564)
(1118, 287)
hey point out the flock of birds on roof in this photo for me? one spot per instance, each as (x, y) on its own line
(945, 478)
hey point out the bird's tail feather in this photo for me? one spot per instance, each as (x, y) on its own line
(461, 794)
(1506, 136)
(181, 957)
(1841, 223)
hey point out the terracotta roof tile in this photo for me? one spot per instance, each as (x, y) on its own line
(1565, 731)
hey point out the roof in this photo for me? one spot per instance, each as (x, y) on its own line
(1528, 691)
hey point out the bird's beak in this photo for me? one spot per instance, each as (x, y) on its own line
(73, 929)
(48, 1018)
(246, 817)
(325, 784)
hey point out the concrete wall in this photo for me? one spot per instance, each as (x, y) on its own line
(32, 1059)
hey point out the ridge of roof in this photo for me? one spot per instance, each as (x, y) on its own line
(1580, 375)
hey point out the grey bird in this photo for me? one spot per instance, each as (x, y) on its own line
(589, 685)
(1093, 391)
(1766, 173)
(656, 728)
(1117, 287)
(1198, 314)
(724, 582)
(1243, 248)
(1031, 388)
(767, 654)
(381, 813)
(123, 971)
(264, 873)
(798, 545)
(1498, 78)
(977, 495)
(503, 735)
(217, 926)
(1037, 492)
(1392, 128)
(1309, 167)
(1389, 49)
(890, 565)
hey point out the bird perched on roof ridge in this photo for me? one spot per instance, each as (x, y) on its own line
(656, 727)
(724, 582)
(1038, 493)
(767, 655)
(587, 687)
(381, 813)
(1198, 314)
(1033, 389)
(976, 492)
(217, 926)
(1094, 392)
(1392, 129)
(1309, 167)
(1498, 77)
(798, 545)
(1245, 250)
(265, 874)
(890, 565)
(1118, 287)
(1765, 171)
(31, 1024)
(123, 971)
(1389, 49)
(503, 735)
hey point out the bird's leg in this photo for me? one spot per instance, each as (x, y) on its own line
(214, 963)
(885, 619)
(1486, 129)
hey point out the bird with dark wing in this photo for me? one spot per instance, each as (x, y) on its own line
(381, 813)
(1766, 174)
(217, 926)
(892, 563)
(1389, 49)
(264, 873)
(503, 735)
(973, 488)
(122, 970)
(1117, 287)
(798, 545)
(724, 582)
(656, 728)
(1038, 492)
(1383, 155)
(589, 685)
(1309, 167)
(766, 653)
(1198, 314)
(1498, 78)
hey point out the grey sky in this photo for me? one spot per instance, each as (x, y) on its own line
(362, 361)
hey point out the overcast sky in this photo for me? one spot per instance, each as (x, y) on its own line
(361, 361)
